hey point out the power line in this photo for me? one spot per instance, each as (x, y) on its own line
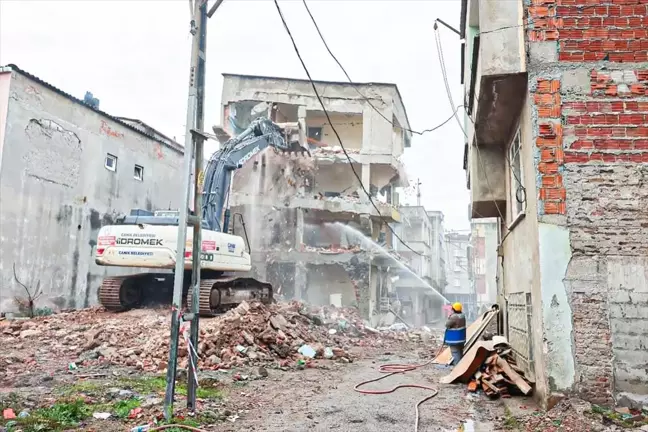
(360, 93)
(337, 135)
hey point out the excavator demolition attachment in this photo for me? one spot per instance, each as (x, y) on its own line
(146, 239)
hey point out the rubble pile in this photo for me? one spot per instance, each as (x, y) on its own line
(499, 375)
(287, 334)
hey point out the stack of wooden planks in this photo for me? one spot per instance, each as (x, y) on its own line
(499, 376)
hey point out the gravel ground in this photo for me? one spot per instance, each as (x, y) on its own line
(325, 400)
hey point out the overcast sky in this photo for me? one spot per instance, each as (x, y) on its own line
(134, 56)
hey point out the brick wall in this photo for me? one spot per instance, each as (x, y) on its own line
(590, 103)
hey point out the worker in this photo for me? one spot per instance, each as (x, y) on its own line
(455, 335)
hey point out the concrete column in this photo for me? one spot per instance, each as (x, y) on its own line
(366, 181)
(299, 229)
(301, 279)
(301, 119)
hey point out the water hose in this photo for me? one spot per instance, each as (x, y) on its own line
(179, 426)
(395, 368)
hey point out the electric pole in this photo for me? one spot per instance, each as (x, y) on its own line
(193, 153)
(418, 192)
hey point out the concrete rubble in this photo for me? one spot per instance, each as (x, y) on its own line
(251, 334)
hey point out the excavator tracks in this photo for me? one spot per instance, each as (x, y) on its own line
(120, 293)
(219, 295)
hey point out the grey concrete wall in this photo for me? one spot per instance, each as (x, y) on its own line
(55, 193)
(520, 267)
(500, 50)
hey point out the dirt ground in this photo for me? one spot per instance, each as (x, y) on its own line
(320, 398)
(325, 400)
(52, 380)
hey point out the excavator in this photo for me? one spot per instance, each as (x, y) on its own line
(145, 239)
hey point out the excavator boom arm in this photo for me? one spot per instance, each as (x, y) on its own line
(261, 134)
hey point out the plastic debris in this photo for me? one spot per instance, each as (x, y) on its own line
(332, 331)
(142, 428)
(23, 414)
(135, 412)
(101, 415)
(72, 366)
(8, 414)
(307, 351)
(328, 353)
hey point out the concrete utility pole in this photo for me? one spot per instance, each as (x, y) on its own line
(193, 152)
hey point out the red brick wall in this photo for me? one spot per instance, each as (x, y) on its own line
(590, 100)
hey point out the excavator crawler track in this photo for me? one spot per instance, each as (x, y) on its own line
(120, 293)
(219, 295)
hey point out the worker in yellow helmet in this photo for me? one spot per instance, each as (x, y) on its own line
(455, 335)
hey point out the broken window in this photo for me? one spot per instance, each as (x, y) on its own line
(314, 133)
(517, 191)
(138, 173)
(111, 162)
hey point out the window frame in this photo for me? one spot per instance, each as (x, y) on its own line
(515, 173)
(141, 171)
(112, 157)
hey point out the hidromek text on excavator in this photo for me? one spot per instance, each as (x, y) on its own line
(146, 239)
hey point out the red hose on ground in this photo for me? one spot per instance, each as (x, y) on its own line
(395, 368)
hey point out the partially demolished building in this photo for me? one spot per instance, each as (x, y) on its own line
(313, 232)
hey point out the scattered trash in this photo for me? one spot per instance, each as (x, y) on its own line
(142, 428)
(328, 353)
(307, 351)
(332, 331)
(23, 414)
(72, 366)
(135, 412)
(8, 414)
(101, 415)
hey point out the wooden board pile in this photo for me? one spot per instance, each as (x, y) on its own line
(499, 376)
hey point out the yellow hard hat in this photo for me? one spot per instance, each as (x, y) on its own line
(456, 307)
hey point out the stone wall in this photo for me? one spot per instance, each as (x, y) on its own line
(588, 75)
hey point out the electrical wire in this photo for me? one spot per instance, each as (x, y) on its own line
(319, 32)
(337, 135)
(444, 73)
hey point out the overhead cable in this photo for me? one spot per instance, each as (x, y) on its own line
(337, 135)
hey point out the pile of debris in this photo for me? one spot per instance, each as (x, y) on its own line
(499, 375)
(285, 335)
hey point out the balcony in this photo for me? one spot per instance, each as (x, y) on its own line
(495, 83)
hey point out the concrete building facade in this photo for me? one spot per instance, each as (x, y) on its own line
(308, 219)
(421, 282)
(484, 239)
(66, 169)
(460, 286)
(556, 92)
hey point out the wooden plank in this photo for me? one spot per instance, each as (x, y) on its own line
(490, 386)
(520, 383)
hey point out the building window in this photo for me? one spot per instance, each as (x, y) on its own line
(138, 173)
(315, 133)
(517, 193)
(457, 283)
(111, 162)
